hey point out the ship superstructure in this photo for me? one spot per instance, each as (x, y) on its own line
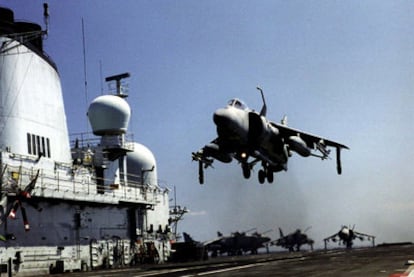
(85, 203)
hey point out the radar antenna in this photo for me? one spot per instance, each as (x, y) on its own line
(118, 79)
(46, 17)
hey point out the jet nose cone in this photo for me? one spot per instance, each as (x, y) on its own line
(221, 117)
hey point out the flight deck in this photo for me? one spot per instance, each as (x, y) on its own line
(389, 261)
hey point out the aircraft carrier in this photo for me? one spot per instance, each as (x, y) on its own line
(81, 203)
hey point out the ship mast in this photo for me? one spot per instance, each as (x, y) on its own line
(176, 214)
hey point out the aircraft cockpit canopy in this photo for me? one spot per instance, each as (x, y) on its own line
(237, 104)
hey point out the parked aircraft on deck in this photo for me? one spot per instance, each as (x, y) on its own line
(293, 241)
(237, 243)
(347, 235)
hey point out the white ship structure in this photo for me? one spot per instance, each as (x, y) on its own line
(70, 205)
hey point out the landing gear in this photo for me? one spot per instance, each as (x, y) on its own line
(270, 176)
(262, 176)
(246, 170)
(265, 173)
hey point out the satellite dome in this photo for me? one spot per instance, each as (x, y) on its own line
(109, 115)
(141, 163)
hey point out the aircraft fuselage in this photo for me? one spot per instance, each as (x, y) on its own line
(247, 133)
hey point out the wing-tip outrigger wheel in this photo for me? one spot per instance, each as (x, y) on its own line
(338, 160)
(198, 156)
(200, 172)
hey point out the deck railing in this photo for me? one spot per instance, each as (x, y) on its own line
(79, 184)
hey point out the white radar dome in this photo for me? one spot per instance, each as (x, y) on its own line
(109, 115)
(141, 166)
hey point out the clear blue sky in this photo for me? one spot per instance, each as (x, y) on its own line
(339, 69)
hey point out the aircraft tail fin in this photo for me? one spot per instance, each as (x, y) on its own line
(281, 232)
(187, 237)
(284, 120)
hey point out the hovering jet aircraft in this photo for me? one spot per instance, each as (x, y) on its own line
(237, 243)
(293, 241)
(244, 133)
(346, 235)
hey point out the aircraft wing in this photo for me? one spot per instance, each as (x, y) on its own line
(315, 142)
(213, 241)
(310, 139)
(203, 156)
(216, 244)
(333, 238)
(363, 235)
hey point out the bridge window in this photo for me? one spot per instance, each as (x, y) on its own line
(39, 150)
(29, 143)
(48, 147)
(43, 146)
(38, 145)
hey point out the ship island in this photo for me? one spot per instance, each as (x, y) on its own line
(71, 202)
